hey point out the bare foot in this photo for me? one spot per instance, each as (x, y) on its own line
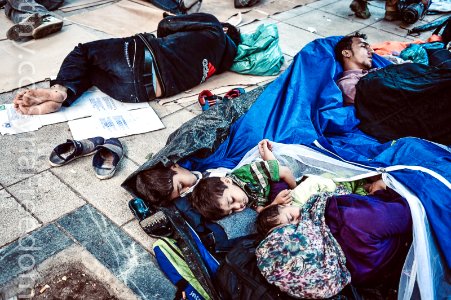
(39, 109)
(39, 96)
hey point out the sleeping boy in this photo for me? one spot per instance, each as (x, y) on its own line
(247, 186)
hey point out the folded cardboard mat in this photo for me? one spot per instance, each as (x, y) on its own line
(121, 19)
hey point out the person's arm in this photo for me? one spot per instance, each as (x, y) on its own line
(287, 176)
(265, 149)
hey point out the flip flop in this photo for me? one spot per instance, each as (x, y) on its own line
(107, 158)
(72, 149)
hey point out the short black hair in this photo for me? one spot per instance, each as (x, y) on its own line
(346, 44)
(206, 195)
(267, 219)
(233, 33)
(155, 185)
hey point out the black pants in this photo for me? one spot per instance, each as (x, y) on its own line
(115, 66)
(406, 100)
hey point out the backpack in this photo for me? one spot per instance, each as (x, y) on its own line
(212, 234)
(171, 260)
(238, 276)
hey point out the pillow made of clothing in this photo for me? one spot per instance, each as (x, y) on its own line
(259, 53)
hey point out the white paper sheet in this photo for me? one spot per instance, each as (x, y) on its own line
(116, 125)
(92, 103)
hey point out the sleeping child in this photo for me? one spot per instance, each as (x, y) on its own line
(249, 186)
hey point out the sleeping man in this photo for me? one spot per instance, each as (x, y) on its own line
(398, 100)
(142, 67)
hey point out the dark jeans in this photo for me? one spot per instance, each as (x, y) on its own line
(115, 66)
(17, 10)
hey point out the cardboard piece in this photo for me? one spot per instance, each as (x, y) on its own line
(121, 19)
(219, 84)
(36, 60)
(224, 10)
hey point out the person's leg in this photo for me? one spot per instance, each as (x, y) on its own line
(32, 19)
(360, 8)
(113, 65)
(391, 10)
(18, 10)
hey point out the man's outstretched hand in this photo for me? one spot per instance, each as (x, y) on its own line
(40, 101)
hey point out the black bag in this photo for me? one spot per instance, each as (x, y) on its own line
(238, 276)
(212, 235)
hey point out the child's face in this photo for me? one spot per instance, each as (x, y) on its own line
(378, 185)
(233, 199)
(181, 181)
(289, 214)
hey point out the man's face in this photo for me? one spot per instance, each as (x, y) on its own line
(181, 181)
(361, 53)
(233, 199)
(289, 214)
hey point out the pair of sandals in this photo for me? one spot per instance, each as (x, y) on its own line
(207, 99)
(108, 153)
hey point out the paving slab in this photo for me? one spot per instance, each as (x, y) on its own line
(126, 259)
(293, 39)
(106, 195)
(26, 154)
(139, 147)
(26, 253)
(325, 23)
(398, 28)
(74, 257)
(341, 9)
(318, 4)
(46, 196)
(377, 36)
(135, 231)
(15, 221)
(292, 13)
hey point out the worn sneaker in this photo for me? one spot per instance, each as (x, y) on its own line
(24, 30)
(48, 25)
(34, 26)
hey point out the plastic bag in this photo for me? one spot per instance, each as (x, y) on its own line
(259, 53)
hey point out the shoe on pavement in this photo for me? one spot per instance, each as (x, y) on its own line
(360, 9)
(48, 25)
(392, 16)
(34, 26)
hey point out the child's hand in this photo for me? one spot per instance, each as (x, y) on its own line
(283, 198)
(265, 149)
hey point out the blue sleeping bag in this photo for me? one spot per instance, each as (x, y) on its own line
(304, 106)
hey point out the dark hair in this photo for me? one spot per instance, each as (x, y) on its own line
(206, 195)
(233, 33)
(346, 44)
(155, 185)
(267, 219)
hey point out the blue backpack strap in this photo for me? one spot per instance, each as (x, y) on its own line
(190, 250)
